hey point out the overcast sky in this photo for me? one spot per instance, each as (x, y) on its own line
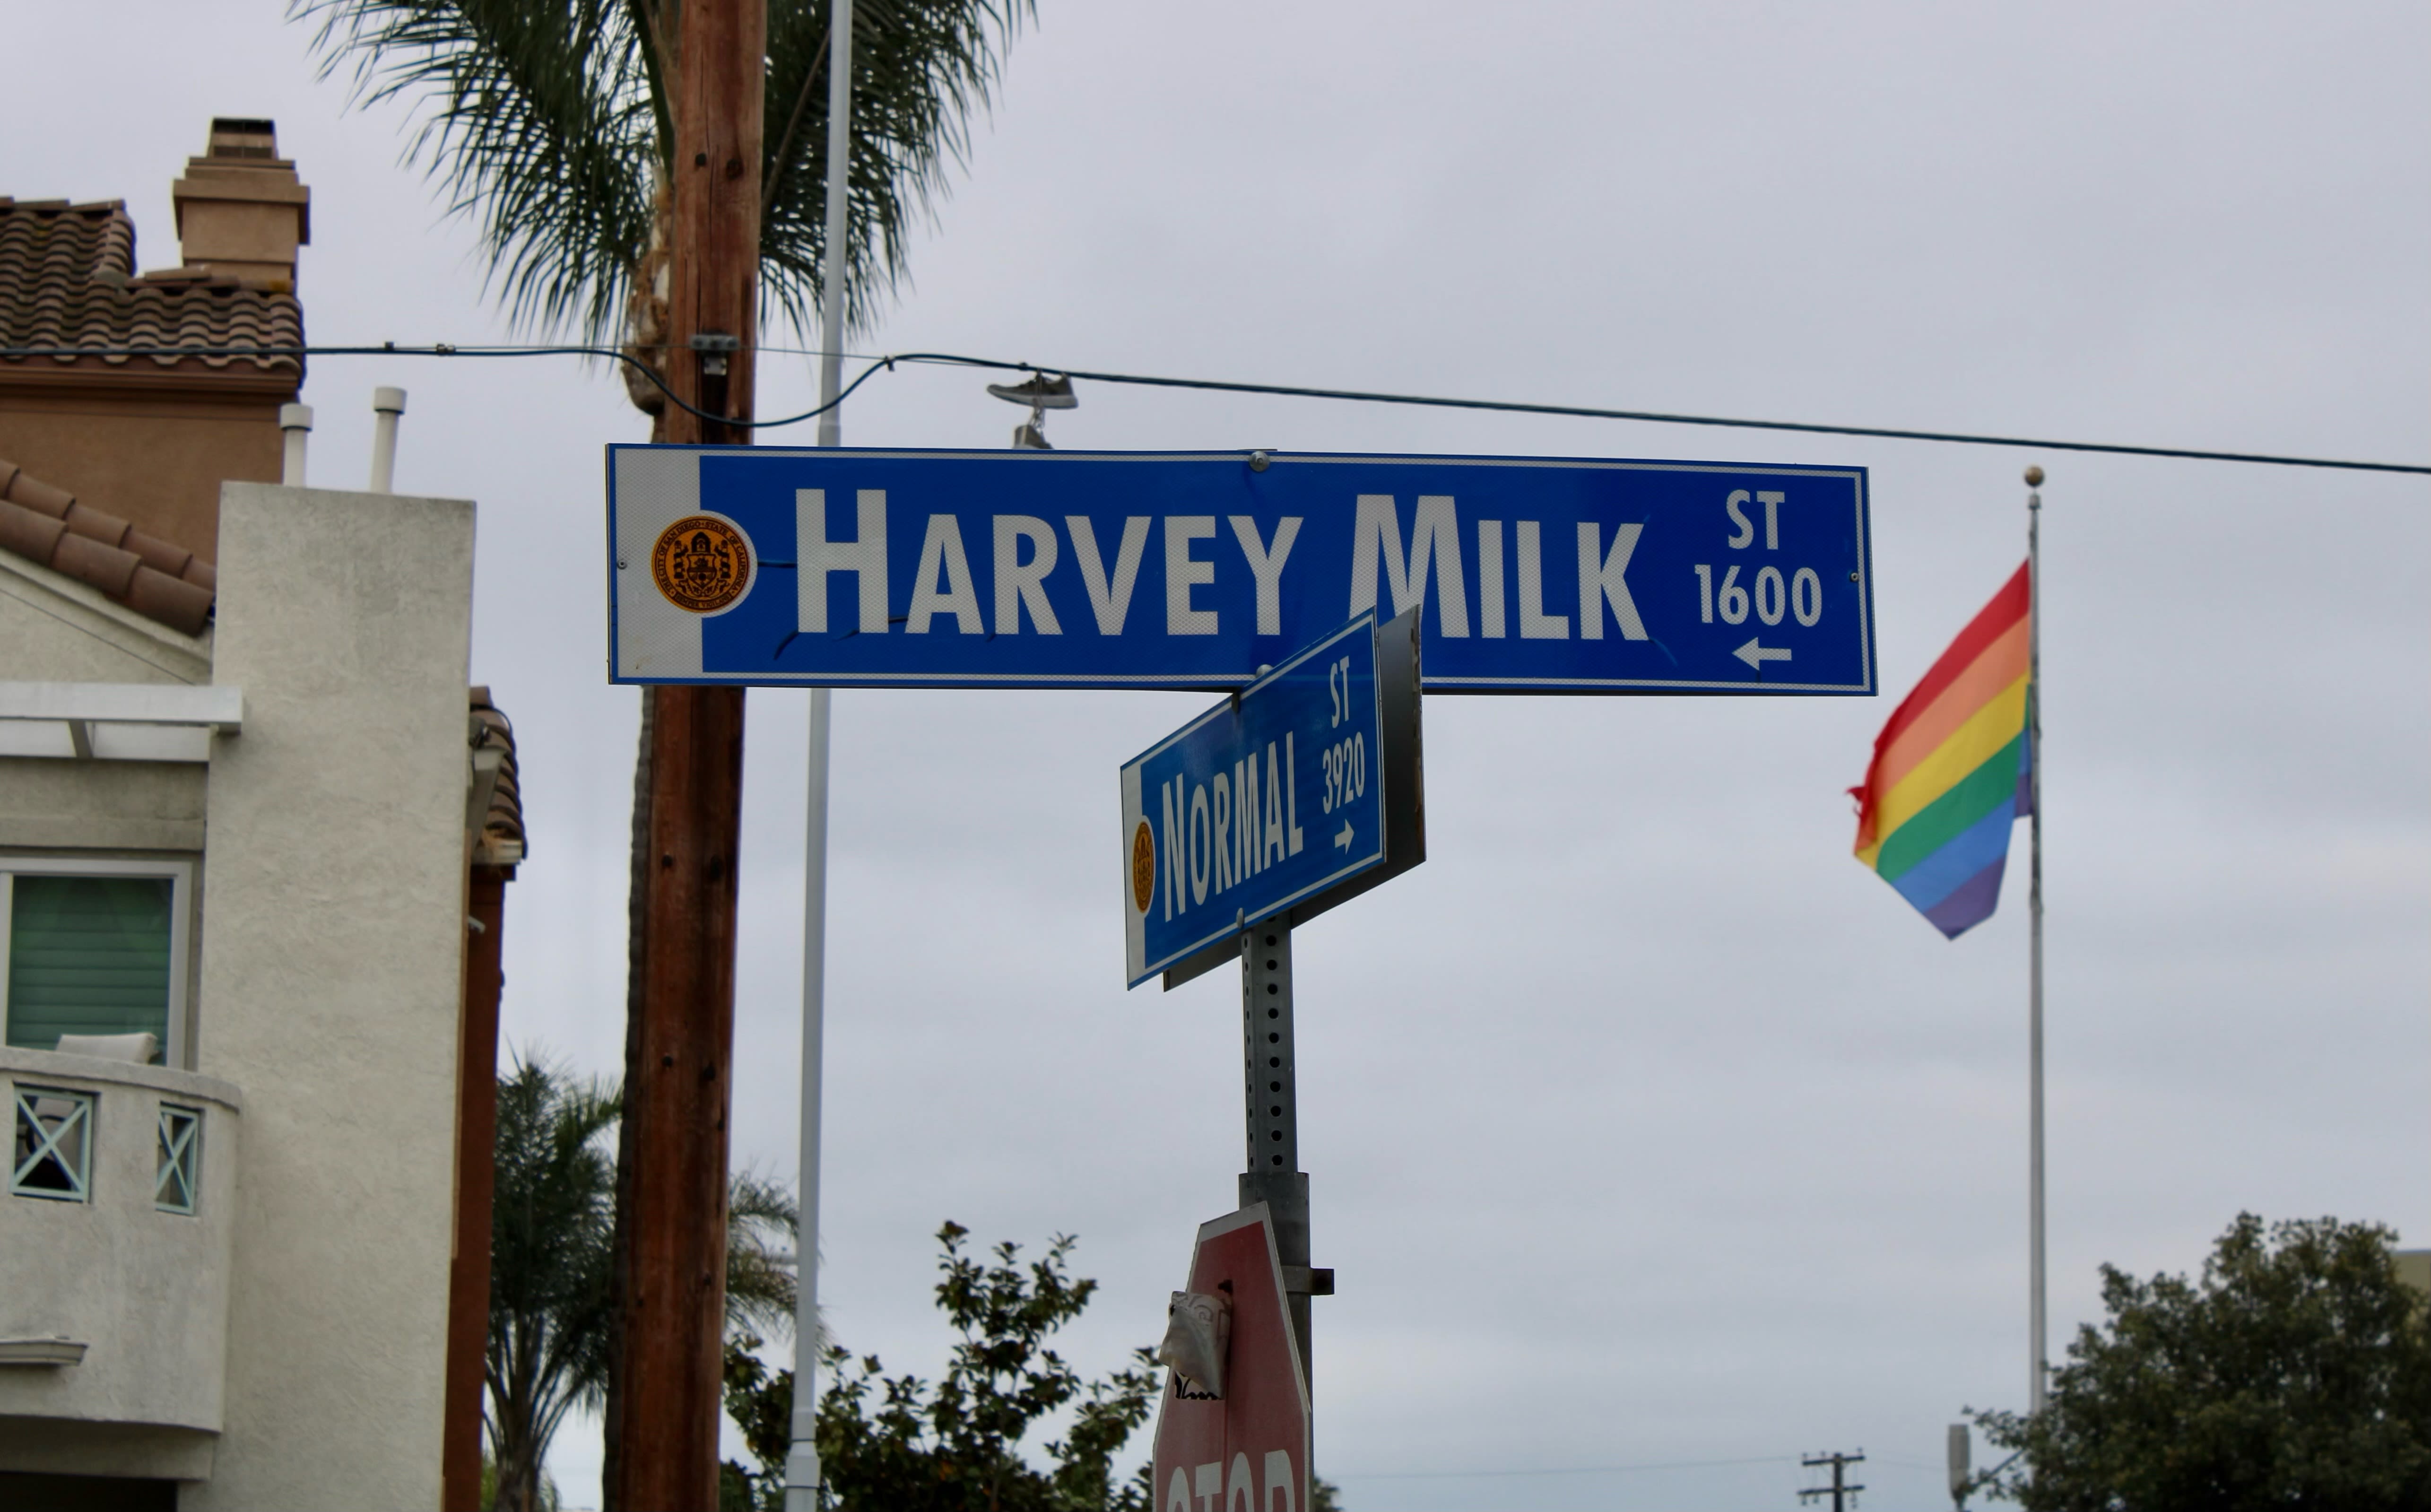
(1645, 1127)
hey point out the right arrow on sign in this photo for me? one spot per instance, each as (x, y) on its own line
(1342, 841)
(1756, 656)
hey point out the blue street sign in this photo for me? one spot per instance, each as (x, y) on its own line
(1142, 570)
(1284, 800)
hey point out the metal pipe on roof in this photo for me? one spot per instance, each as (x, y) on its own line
(387, 404)
(295, 420)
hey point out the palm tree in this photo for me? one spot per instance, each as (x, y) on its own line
(552, 1222)
(547, 122)
(760, 1219)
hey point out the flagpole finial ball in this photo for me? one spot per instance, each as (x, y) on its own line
(2034, 478)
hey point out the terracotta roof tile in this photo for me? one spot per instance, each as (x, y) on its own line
(67, 279)
(157, 579)
(502, 832)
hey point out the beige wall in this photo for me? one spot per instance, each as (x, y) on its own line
(156, 457)
(331, 970)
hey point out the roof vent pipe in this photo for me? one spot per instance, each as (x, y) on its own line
(387, 404)
(296, 421)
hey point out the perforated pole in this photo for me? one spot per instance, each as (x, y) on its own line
(1270, 1087)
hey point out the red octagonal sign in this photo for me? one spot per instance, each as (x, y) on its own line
(1247, 1451)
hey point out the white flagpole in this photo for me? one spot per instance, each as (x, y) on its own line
(803, 1457)
(2036, 1312)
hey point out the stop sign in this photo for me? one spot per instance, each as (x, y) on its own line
(1247, 1451)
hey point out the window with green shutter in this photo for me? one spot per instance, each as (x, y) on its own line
(90, 951)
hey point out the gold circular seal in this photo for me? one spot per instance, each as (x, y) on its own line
(701, 564)
(1143, 866)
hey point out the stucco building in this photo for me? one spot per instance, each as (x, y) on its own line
(254, 830)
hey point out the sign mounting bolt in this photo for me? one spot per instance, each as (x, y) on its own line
(1258, 460)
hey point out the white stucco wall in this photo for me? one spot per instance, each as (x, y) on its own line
(331, 971)
(124, 806)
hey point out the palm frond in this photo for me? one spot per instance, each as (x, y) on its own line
(761, 1224)
(547, 122)
(542, 121)
(920, 69)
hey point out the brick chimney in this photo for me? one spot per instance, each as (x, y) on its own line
(241, 212)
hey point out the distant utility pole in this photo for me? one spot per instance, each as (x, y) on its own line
(1839, 1489)
(669, 1330)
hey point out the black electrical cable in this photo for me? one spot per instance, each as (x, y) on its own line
(1222, 386)
(1657, 417)
(1565, 1469)
(448, 350)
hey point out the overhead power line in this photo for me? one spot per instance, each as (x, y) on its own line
(1568, 1470)
(1661, 417)
(1579, 411)
(1605, 1469)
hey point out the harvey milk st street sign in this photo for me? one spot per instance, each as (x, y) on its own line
(1191, 570)
(1297, 794)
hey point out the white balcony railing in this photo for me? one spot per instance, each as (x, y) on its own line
(115, 1226)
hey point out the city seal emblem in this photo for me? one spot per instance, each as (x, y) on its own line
(1143, 866)
(701, 564)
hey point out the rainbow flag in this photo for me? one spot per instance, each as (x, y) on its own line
(1949, 772)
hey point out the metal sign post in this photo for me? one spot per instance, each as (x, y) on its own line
(1301, 791)
(1270, 1087)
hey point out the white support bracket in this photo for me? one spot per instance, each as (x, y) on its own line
(55, 1351)
(116, 721)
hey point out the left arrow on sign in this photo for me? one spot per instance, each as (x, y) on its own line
(1756, 656)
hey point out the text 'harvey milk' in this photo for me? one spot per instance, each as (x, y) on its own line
(1023, 551)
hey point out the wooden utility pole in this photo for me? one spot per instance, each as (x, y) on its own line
(671, 1265)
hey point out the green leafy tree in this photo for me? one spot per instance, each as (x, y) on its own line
(551, 1222)
(902, 1444)
(2297, 1374)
